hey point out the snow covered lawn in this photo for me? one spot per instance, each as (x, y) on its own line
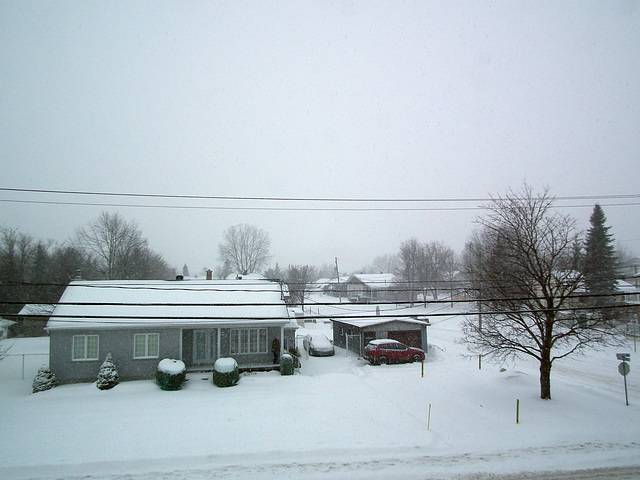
(338, 418)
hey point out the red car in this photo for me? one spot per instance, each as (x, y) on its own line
(384, 351)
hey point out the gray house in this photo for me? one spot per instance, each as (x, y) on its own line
(354, 334)
(372, 287)
(142, 322)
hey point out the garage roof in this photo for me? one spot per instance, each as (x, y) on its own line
(364, 322)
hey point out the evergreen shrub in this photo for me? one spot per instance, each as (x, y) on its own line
(286, 364)
(108, 375)
(225, 372)
(45, 380)
(171, 374)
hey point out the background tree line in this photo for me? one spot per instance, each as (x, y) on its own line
(109, 247)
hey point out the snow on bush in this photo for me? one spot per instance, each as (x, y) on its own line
(225, 372)
(171, 366)
(108, 375)
(171, 374)
(225, 365)
(45, 380)
(286, 364)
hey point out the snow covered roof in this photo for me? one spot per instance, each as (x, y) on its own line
(375, 281)
(246, 276)
(336, 280)
(4, 323)
(117, 304)
(625, 287)
(37, 309)
(370, 321)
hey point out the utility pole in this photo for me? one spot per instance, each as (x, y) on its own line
(480, 325)
(338, 277)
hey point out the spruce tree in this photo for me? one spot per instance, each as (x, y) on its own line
(45, 380)
(600, 261)
(108, 375)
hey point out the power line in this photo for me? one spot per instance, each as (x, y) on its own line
(298, 199)
(325, 200)
(131, 320)
(231, 208)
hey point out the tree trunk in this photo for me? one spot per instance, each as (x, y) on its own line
(545, 377)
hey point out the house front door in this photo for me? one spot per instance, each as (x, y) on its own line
(205, 346)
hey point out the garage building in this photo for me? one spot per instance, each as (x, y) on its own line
(354, 334)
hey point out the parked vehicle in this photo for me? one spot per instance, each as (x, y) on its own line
(359, 299)
(384, 351)
(318, 345)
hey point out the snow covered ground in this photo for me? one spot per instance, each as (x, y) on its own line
(338, 418)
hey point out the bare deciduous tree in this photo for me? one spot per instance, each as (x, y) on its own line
(387, 263)
(439, 266)
(424, 267)
(523, 267)
(118, 246)
(299, 278)
(17, 252)
(246, 248)
(410, 261)
(4, 349)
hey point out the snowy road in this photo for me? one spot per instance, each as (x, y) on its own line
(423, 467)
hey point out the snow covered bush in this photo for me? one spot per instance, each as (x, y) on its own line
(286, 364)
(108, 375)
(171, 374)
(45, 380)
(225, 372)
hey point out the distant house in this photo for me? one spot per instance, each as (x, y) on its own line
(336, 287)
(629, 299)
(354, 333)
(142, 322)
(372, 287)
(31, 320)
(320, 285)
(4, 328)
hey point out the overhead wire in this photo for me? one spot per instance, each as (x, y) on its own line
(279, 199)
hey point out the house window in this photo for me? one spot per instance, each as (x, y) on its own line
(146, 345)
(85, 347)
(248, 340)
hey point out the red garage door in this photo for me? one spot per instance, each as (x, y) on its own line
(412, 338)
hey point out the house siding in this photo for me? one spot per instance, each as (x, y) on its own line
(174, 343)
(117, 342)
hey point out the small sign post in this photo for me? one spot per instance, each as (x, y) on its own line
(624, 369)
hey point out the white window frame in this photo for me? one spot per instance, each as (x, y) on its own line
(85, 348)
(248, 341)
(146, 354)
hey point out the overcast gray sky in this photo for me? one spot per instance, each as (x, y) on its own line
(376, 100)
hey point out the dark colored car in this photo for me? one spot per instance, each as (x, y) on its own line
(318, 345)
(358, 299)
(384, 351)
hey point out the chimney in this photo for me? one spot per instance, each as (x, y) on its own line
(209, 275)
(179, 277)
